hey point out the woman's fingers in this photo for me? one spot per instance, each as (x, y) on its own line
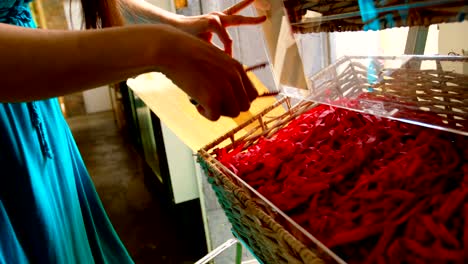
(236, 20)
(241, 96)
(231, 99)
(227, 105)
(215, 81)
(249, 88)
(209, 113)
(218, 28)
(237, 7)
(230, 104)
(207, 36)
(218, 23)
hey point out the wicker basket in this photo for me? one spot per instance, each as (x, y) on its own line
(269, 233)
(349, 15)
(258, 223)
(400, 87)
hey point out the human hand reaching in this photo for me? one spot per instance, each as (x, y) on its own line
(211, 77)
(204, 26)
(208, 75)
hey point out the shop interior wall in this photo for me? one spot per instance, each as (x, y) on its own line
(97, 99)
(454, 40)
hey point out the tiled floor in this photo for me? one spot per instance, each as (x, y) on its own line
(140, 220)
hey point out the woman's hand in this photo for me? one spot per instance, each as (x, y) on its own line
(210, 76)
(207, 74)
(204, 26)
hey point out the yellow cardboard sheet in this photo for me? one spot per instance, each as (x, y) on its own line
(174, 109)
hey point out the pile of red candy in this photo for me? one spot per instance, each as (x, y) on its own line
(371, 189)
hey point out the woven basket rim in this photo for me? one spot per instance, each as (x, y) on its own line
(228, 177)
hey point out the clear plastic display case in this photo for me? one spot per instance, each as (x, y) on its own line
(427, 91)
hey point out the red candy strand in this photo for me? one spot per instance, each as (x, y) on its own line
(372, 189)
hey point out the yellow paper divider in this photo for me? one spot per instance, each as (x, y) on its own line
(173, 108)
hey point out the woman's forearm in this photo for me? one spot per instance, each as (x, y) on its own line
(37, 64)
(140, 11)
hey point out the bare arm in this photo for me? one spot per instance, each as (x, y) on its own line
(140, 11)
(37, 64)
(203, 26)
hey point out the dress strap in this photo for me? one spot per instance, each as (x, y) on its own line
(38, 124)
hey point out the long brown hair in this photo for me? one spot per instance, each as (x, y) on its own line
(101, 13)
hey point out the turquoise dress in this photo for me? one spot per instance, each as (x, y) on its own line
(49, 209)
